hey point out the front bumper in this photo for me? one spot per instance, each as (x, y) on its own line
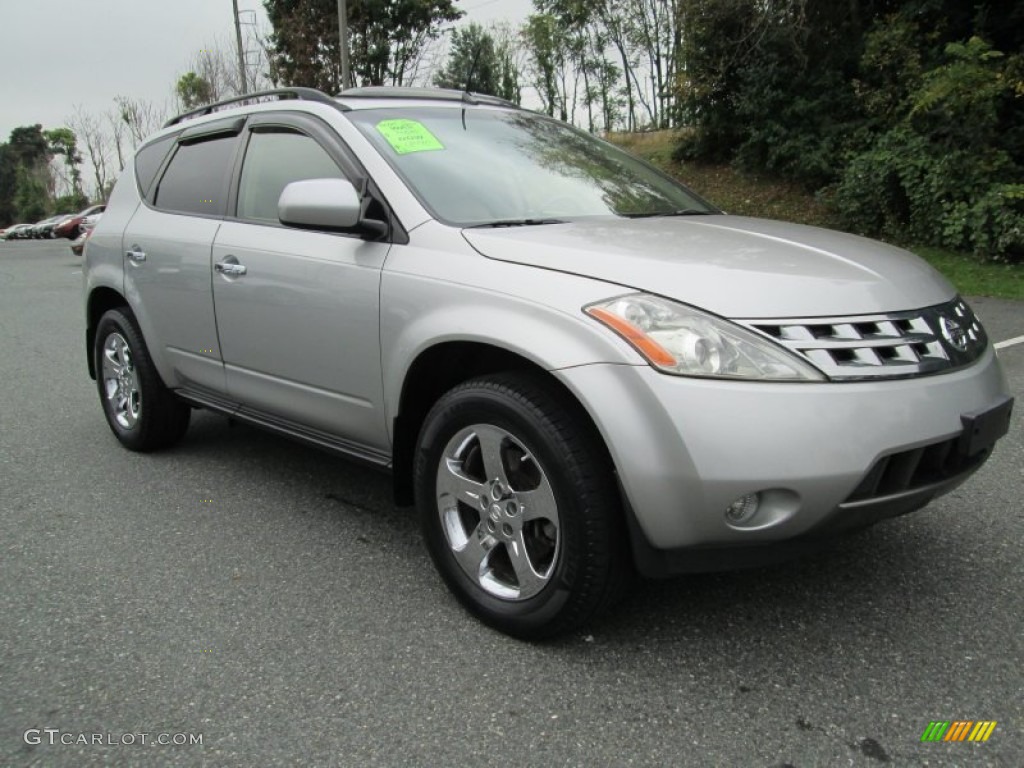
(686, 448)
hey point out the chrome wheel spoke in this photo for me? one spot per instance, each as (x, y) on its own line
(491, 440)
(530, 582)
(474, 553)
(451, 482)
(112, 364)
(539, 503)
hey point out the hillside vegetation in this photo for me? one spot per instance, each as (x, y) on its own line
(749, 194)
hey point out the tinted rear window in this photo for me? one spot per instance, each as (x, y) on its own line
(196, 181)
(148, 162)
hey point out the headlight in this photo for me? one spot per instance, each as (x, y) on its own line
(678, 339)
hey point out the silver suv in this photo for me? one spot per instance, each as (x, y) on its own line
(575, 367)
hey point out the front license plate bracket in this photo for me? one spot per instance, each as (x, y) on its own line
(983, 427)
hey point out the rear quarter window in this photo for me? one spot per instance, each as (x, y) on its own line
(148, 162)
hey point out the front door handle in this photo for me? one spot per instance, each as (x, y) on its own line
(135, 254)
(229, 269)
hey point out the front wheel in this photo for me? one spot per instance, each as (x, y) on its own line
(519, 507)
(142, 413)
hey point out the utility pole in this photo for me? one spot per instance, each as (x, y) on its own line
(343, 41)
(241, 51)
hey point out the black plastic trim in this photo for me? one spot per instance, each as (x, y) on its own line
(231, 126)
(283, 94)
(215, 402)
(322, 133)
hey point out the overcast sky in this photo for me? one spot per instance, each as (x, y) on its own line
(55, 54)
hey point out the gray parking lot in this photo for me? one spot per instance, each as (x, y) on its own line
(272, 601)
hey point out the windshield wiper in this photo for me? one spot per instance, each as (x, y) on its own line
(660, 214)
(515, 223)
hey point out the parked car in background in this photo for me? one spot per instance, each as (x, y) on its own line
(71, 227)
(17, 232)
(44, 229)
(44, 225)
(88, 223)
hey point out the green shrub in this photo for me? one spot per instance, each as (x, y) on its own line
(941, 176)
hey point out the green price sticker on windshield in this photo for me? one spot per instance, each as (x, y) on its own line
(408, 136)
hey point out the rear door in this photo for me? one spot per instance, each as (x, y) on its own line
(167, 247)
(299, 329)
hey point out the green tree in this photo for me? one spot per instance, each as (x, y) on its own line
(29, 145)
(387, 38)
(8, 183)
(476, 64)
(62, 141)
(939, 172)
(23, 160)
(30, 198)
(193, 90)
(541, 37)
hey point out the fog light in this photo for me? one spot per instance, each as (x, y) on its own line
(744, 508)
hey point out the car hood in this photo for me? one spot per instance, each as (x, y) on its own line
(733, 266)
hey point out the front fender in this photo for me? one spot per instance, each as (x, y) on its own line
(421, 308)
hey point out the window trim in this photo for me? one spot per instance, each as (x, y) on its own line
(335, 147)
(234, 198)
(220, 135)
(146, 194)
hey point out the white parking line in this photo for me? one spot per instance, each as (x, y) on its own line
(1009, 342)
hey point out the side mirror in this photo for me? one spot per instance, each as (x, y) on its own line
(320, 204)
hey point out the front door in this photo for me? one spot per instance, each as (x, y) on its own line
(297, 311)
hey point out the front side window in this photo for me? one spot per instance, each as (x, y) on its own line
(273, 160)
(473, 166)
(196, 181)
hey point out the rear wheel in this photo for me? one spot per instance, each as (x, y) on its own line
(142, 413)
(519, 507)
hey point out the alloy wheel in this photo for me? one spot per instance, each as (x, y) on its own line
(119, 381)
(498, 512)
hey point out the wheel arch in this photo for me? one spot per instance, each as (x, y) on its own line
(438, 369)
(101, 300)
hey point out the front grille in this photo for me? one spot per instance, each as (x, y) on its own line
(916, 468)
(891, 345)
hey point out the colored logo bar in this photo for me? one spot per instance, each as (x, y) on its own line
(958, 730)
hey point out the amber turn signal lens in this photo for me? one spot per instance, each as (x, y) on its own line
(644, 344)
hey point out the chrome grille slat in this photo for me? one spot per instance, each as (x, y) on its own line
(871, 341)
(889, 345)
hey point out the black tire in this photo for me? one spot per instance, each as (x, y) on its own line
(545, 431)
(152, 417)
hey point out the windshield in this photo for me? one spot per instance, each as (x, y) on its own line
(479, 166)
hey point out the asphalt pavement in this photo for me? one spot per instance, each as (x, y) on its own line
(271, 600)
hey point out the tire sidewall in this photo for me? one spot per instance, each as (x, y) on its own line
(464, 408)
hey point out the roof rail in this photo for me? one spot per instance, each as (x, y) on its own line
(437, 94)
(302, 94)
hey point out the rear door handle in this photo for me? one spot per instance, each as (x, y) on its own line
(229, 269)
(135, 254)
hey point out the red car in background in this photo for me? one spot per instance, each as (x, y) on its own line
(71, 228)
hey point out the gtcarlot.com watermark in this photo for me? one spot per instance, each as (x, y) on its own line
(55, 736)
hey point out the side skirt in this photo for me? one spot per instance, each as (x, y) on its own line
(314, 437)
